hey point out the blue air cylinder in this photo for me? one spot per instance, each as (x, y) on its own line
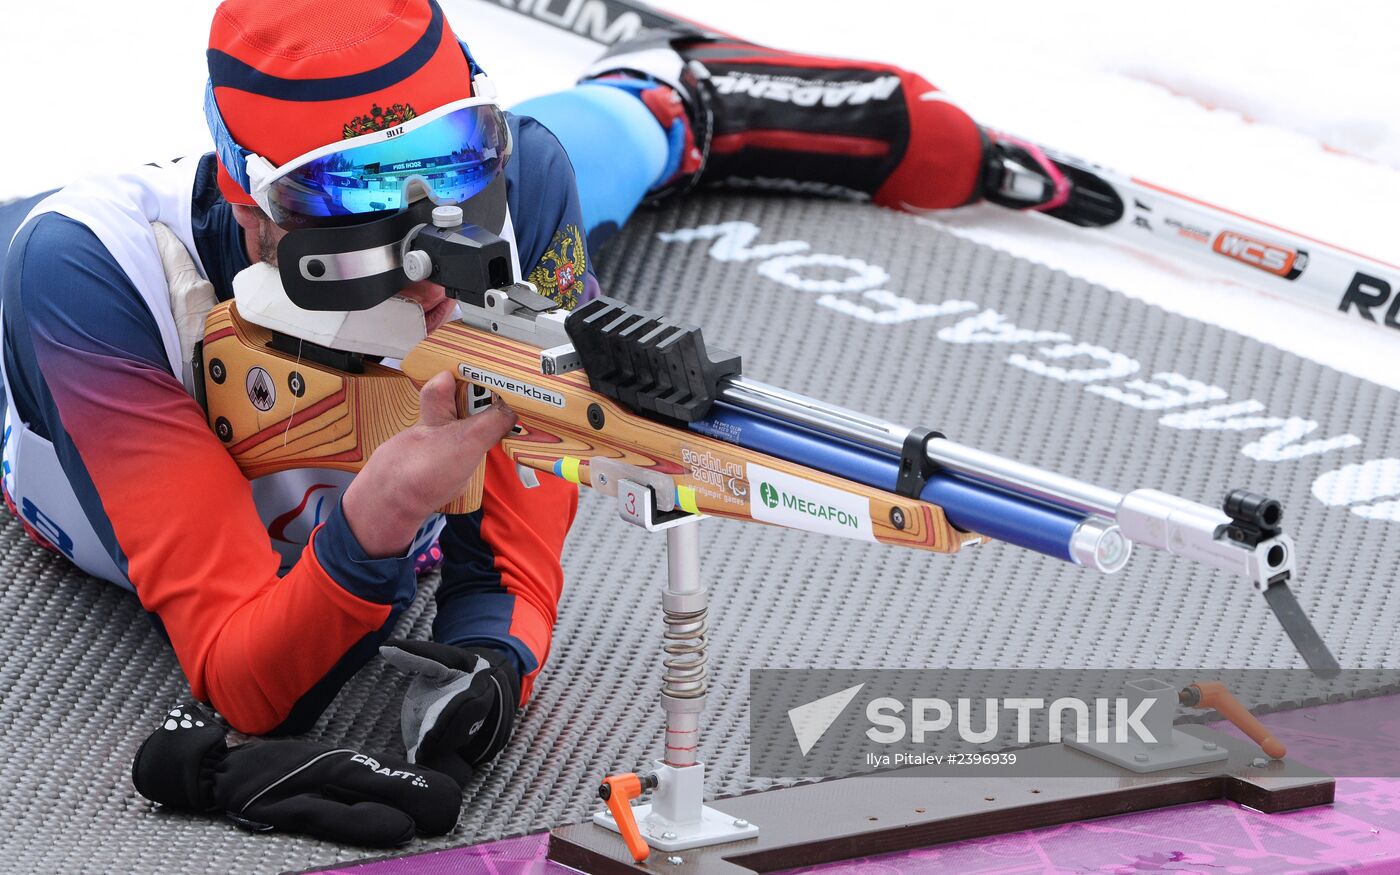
(970, 506)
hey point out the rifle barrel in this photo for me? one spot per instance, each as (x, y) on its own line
(969, 505)
(1012, 501)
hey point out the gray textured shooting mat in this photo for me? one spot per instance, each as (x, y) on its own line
(812, 294)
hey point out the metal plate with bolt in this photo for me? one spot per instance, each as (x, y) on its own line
(916, 808)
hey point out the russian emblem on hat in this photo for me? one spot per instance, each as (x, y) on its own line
(290, 76)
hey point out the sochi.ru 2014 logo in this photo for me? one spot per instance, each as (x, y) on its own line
(769, 493)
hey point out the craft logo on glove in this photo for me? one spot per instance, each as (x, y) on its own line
(388, 773)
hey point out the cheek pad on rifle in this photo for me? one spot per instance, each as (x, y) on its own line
(389, 329)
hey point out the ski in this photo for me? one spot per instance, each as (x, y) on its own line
(1287, 263)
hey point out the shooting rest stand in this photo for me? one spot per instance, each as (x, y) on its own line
(896, 810)
(677, 818)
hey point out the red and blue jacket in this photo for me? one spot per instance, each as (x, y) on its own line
(262, 589)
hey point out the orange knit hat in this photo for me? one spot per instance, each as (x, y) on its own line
(290, 76)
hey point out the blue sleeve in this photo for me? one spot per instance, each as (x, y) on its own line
(617, 148)
(544, 206)
(88, 369)
(73, 322)
(12, 214)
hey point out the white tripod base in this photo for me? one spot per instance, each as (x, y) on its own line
(677, 819)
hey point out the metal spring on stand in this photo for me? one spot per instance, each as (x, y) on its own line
(686, 675)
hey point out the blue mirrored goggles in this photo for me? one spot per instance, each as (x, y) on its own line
(455, 156)
(453, 152)
(331, 194)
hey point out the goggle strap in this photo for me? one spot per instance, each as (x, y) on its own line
(233, 156)
(472, 65)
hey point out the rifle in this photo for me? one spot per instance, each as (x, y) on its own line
(611, 397)
(637, 407)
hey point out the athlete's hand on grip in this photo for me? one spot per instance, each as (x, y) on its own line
(421, 468)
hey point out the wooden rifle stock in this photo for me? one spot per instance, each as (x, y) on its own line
(339, 418)
(276, 412)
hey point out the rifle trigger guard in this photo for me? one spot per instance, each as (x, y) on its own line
(915, 467)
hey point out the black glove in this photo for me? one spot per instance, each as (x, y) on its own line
(460, 709)
(294, 786)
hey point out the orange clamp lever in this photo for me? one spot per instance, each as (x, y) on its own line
(618, 791)
(1213, 694)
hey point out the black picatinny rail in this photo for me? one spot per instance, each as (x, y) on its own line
(651, 365)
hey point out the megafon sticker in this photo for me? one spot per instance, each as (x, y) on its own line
(785, 500)
(1271, 257)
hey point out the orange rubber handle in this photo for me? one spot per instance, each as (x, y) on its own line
(618, 791)
(1215, 695)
